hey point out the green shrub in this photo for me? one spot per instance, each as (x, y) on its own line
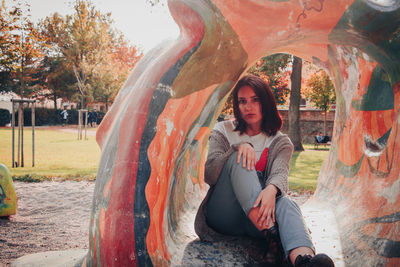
(45, 116)
(4, 117)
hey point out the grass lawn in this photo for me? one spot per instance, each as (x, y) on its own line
(305, 167)
(59, 155)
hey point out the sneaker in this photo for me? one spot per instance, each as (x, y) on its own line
(319, 260)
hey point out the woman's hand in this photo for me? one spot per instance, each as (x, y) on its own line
(266, 201)
(248, 153)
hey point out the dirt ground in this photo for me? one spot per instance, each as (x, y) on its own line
(51, 216)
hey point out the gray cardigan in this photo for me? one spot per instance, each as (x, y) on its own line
(276, 173)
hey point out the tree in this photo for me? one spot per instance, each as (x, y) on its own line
(86, 45)
(56, 74)
(57, 80)
(55, 31)
(29, 53)
(321, 92)
(273, 69)
(294, 106)
(110, 78)
(95, 47)
(8, 58)
(89, 43)
(21, 50)
(64, 56)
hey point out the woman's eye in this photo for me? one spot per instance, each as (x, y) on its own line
(242, 101)
(256, 99)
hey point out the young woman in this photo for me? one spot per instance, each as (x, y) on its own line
(247, 169)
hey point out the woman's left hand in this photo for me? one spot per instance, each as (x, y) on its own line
(266, 201)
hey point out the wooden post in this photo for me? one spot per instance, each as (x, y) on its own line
(22, 135)
(19, 135)
(86, 121)
(33, 134)
(13, 133)
(79, 124)
(82, 114)
(20, 160)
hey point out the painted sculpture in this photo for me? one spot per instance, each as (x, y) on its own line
(154, 137)
(8, 197)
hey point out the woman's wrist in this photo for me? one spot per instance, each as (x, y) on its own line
(236, 146)
(273, 188)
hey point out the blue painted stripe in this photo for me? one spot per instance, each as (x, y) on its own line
(156, 107)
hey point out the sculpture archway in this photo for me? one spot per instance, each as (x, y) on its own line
(154, 137)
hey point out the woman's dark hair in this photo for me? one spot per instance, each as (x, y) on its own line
(271, 122)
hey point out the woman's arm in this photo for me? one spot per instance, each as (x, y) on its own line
(219, 151)
(277, 180)
(278, 164)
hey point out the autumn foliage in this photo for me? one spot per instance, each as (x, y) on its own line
(79, 57)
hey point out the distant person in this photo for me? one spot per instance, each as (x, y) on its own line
(64, 116)
(90, 118)
(320, 138)
(94, 118)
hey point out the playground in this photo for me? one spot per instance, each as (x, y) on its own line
(150, 178)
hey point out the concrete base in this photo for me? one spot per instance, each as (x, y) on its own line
(321, 221)
(190, 251)
(64, 258)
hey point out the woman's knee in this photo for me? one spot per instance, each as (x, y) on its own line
(285, 204)
(233, 166)
(233, 158)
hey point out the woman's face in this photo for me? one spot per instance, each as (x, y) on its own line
(249, 106)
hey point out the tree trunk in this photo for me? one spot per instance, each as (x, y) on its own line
(294, 108)
(55, 101)
(325, 123)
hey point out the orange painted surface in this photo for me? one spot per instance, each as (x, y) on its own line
(271, 25)
(163, 153)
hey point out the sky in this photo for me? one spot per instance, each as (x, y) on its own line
(143, 25)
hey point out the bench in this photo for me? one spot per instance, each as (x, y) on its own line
(326, 141)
